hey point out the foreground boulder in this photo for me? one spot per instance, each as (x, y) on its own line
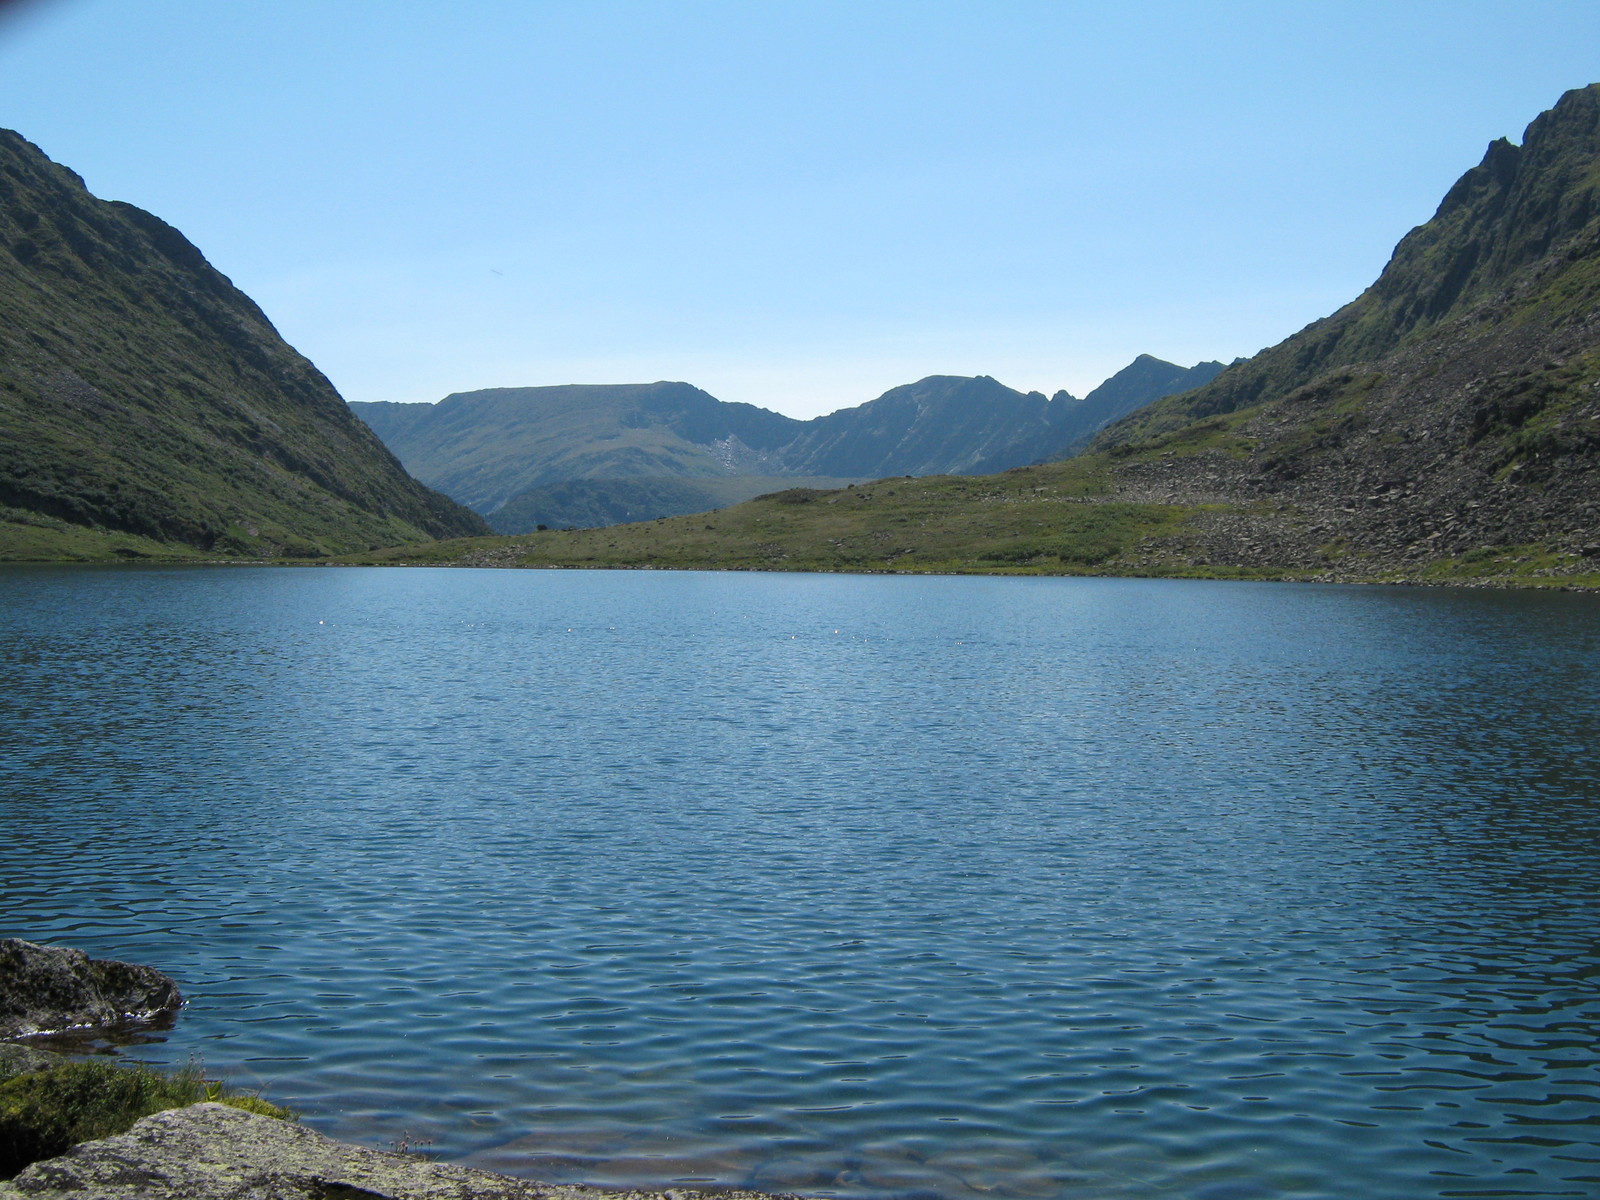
(212, 1152)
(44, 989)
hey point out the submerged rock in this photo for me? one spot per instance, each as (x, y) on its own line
(44, 989)
(212, 1152)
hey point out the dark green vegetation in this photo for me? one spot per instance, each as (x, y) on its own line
(599, 455)
(148, 408)
(1443, 427)
(44, 1113)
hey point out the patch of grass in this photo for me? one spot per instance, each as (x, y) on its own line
(1569, 295)
(30, 537)
(45, 1113)
(1541, 416)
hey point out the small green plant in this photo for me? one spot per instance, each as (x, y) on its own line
(45, 1113)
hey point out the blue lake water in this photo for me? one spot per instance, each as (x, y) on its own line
(851, 886)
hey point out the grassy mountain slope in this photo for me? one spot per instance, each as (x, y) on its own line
(148, 406)
(1443, 427)
(1501, 218)
(1052, 518)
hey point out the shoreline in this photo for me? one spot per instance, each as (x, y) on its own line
(1554, 583)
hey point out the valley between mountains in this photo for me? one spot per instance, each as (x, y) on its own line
(1443, 426)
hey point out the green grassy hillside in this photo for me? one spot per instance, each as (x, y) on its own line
(147, 407)
(1046, 519)
(487, 447)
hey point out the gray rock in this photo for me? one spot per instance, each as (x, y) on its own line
(44, 989)
(212, 1152)
(19, 1060)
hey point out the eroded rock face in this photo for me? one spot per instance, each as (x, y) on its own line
(48, 988)
(212, 1152)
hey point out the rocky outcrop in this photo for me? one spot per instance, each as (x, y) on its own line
(212, 1152)
(48, 988)
(19, 1060)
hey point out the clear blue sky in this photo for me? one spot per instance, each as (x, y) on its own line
(797, 205)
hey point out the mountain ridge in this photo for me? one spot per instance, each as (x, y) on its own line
(530, 456)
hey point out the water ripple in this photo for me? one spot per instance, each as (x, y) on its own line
(1050, 888)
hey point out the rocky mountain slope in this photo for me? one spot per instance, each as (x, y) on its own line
(1453, 409)
(147, 406)
(1444, 426)
(598, 455)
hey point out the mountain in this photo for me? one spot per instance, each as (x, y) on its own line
(598, 455)
(1452, 409)
(1501, 219)
(484, 448)
(941, 425)
(147, 406)
(1142, 381)
(1444, 427)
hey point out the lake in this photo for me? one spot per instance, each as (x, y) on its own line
(850, 886)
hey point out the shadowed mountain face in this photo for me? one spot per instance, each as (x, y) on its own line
(142, 396)
(1442, 427)
(597, 455)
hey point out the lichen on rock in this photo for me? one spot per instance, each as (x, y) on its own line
(212, 1152)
